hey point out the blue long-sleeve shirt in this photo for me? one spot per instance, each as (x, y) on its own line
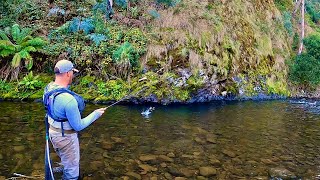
(66, 107)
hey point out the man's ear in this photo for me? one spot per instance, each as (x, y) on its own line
(68, 74)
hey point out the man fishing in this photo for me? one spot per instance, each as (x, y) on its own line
(63, 108)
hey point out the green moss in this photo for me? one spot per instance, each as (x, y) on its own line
(45, 78)
(36, 95)
(231, 87)
(277, 87)
(264, 46)
(194, 82)
(181, 94)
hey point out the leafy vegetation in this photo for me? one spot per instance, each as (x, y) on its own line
(313, 8)
(115, 46)
(284, 5)
(20, 46)
(306, 67)
(30, 83)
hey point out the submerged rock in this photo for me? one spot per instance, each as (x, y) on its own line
(19, 148)
(229, 153)
(164, 158)
(281, 173)
(134, 175)
(147, 168)
(207, 171)
(187, 172)
(148, 158)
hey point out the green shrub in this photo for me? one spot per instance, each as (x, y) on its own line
(313, 9)
(305, 70)
(312, 45)
(117, 49)
(277, 87)
(5, 87)
(20, 11)
(284, 5)
(113, 89)
(30, 83)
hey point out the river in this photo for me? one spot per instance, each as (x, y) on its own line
(218, 140)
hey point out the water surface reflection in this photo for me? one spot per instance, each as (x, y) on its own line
(220, 140)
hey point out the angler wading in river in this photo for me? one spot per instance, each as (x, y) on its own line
(63, 120)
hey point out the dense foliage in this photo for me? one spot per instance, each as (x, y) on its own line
(178, 47)
(313, 9)
(306, 67)
(19, 47)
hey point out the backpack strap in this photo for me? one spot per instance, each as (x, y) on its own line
(48, 101)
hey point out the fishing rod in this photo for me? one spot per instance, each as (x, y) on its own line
(126, 97)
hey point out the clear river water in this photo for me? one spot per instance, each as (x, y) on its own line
(219, 140)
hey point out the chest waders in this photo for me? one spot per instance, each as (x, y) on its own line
(48, 101)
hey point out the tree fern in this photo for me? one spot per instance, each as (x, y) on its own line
(21, 46)
(6, 48)
(124, 54)
(123, 57)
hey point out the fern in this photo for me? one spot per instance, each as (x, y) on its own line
(6, 48)
(97, 38)
(74, 25)
(125, 57)
(86, 25)
(37, 43)
(21, 46)
(15, 32)
(30, 82)
(3, 35)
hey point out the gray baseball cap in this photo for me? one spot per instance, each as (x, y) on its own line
(64, 66)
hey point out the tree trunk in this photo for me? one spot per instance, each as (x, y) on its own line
(302, 27)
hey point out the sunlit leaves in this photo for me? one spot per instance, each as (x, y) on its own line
(16, 60)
